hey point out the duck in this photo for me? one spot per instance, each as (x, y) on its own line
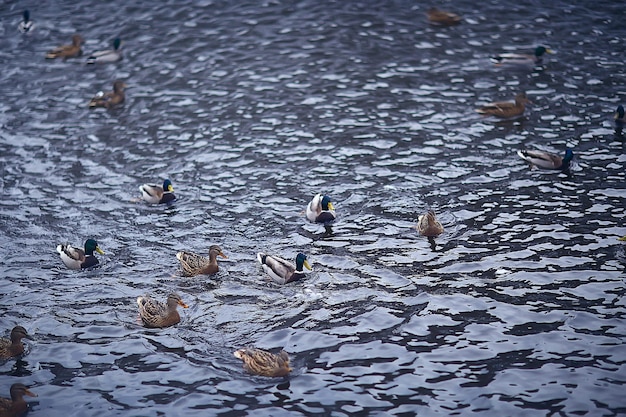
(428, 225)
(156, 314)
(26, 25)
(547, 160)
(506, 109)
(107, 56)
(620, 119)
(321, 210)
(13, 346)
(76, 258)
(67, 51)
(442, 17)
(110, 99)
(523, 60)
(16, 406)
(264, 363)
(155, 194)
(193, 264)
(281, 270)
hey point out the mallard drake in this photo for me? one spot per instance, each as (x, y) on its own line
(620, 120)
(154, 313)
(428, 225)
(442, 18)
(16, 406)
(281, 270)
(26, 25)
(75, 258)
(110, 99)
(106, 56)
(524, 60)
(547, 160)
(505, 109)
(263, 363)
(155, 194)
(67, 51)
(13, 346)
(320, 210)
(193, 264)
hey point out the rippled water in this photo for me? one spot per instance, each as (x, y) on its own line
(251, 109)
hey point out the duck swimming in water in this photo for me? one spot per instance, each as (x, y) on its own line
(281, 270)
(505, 109)
(110, 99)
(442, 18)
(522, 60)
(547, 160)
(75, 258)
(26, 25)
(16, 406)
(67, 51)
(263, 363)
(157, 314)
(428, 225)
(620, 119)
(108, 55)
(156, 194)
(193, 264)
(13, 346)
(321, 210)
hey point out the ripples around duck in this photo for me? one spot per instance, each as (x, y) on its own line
(251, 109)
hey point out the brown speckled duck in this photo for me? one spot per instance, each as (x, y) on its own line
(193, 264)
(263, 363)
(13, 346)
(16, 406)
(110, 99)
(505, 109)
(428, 225)
(442, 17)
(155, 314)
(67, 51)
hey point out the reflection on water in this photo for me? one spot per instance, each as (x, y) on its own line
(251, 109)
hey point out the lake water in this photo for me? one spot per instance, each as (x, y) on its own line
(251, 109)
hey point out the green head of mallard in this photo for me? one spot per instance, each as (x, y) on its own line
(117, 42)
(327, 204)
(540, 50)
(167, 186)
(302, 262)
(90, 246)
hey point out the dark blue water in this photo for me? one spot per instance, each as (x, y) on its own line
(251, 109)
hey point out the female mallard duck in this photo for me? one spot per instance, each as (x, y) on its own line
(110, 99)
(620, 120)
(442, 18)
(505, 109)
(155, 194)
(193, 264)
(263, 363)
(26, 25)
(281, 270)
(521, 60)
(428, 225)
(16, 406)
(106, 56)
(75, 258)
(13, 346)
(155, 314)
(546, 160)
(320, 210)
(67, 51)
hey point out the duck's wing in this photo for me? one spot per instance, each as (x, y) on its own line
(152, 193)
(192, 263)
(314, 208)
(541, 159)
(279, 269)
(72, 257)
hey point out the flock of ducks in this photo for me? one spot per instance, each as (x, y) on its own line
(156, 314)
